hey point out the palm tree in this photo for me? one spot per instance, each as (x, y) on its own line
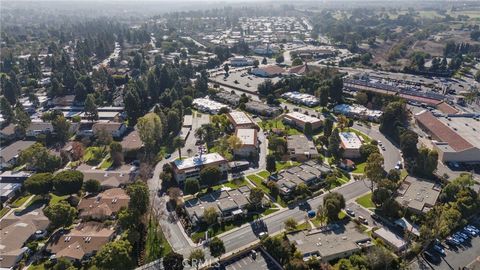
(179, 143)
(200, 133)
(342, 122)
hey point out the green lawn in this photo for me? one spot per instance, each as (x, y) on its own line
(403, 174)
(257, 180)
(264, 174)
(21, 200)
(364, 136)
(106, 163)
(304, 226)
(281, 165)
(366, 201)
(4, 211)
(277, 123)
(236, 183)
(54, 199)
(269, 211)
(40, 266)
(93, 155)
(359, 168)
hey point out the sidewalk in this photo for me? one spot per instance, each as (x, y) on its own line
(21, 207)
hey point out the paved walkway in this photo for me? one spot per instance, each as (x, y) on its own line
(21, 207)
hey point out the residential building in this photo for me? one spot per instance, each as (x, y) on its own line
(418, 195)
(8, 190)
(309, 173)
(358, 112)
(115, 129)
(8, 133)
(187, 168)
(300, 148)
(350, 143)
(9, 154)
(391, 239)
(329, 243)
(104, 204)
(208, 106)
(299, 70)
(260, 108)
(14, 176)
(39, 127)
(81, 242)
(249, 147)
(268, 71)
(240, 120)
(15, 230)
(227, 203)
(239, 61)
(455, 137)
(67, 100)
(109, 179)
(131, 142)
(301, 98)
(299, 120)
(227, 97)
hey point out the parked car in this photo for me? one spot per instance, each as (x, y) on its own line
(452, 241)
(350, 212)
(439, 249)
(363, 220)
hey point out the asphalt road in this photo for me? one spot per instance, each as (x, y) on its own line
(391, 155)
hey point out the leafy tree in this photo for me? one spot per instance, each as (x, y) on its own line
(39, 183)
(379, 258)
(307, 130)
(336, 89)
(133, 105)
(179, 143)
(192, 186)
(290, 224)
(60, 214)
(426, 162)
(92, 186)
(271, 165)
(327, 127)
(210, 215)
(23, 121)
(256, 196)
(256, 63)
(68, 182)
(6, 110)
(217, 248)
(333, 202)
(173, 261)
(380, 195)
(367, 149)
(280, 249)
(323, 95)
(264, 61)
(361, 98)
(115, 255)
(279, 59)
(37, 156)
(374, 169)
(91, 110)
(394, 118)
(210, 176)
(226, 68)
(174, 122)
(116, 153)
(63, 264)
(196, 257)
(80, 91)
(139, 198)
(408, 144)
(150, 130)
(61, 127)
(334, 144)
(297, 62)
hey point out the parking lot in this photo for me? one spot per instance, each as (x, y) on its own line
(246, 262)
(240, 78)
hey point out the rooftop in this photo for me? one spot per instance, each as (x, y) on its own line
(240, 118)
(248, 136)
(103, 204)
(192, 162)
(350, 140)
(418, 194)
(302, 117)
(393, 239)
(299, 144)
(11, 151)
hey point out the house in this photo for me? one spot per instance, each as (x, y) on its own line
(301, 98)
(350, 143)
(8, 133)
(347, 164)
(227, 98)
(208, 105)
(329, 243)
(15, 230)
(115, 129)
(300, 148)
(391, 239)
(14, 176)
(268, 71)
(9, 154)
(309, 173)
(299, 70)
(455, 136)
(187, 168)
(85, 129)
(417, 194)
(39, 127)
(240, 61)
(109, 179)
(131, 142)
(229, 204)
(8, 190)
(299, 120)
(260, 108)
(249, 147)
(81, 242)
(104, 204)
(67, 100)
(240, 120)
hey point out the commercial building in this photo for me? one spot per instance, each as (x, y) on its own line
(268, 71)
(227, 203)
(190, 167)
(249, 147)
(301, 98)
(104, 204)
(417, 194)
(239, 61)
(299, 70)
(309, 173)
(299, 120)
(300, 148)
(81, 242)
(455, 137)
(329, 243)
(227, 98)
(208, 106)
(240, 119)
(350, 143)
(15, 230)
(358, 112)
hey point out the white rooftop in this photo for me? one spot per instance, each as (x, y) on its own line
(350, 140)
(303, 117)
(247, 135)
(192, 162)
(240, 118)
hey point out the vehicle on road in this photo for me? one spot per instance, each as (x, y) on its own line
(167, 156)
(311, 214)
(350, 212)
(363, 220)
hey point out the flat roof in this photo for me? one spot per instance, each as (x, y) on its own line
(9, 152)
(240, 118)
(192, 162)
(418, 194)
(301, 144)
(350, 140)
(247, 135)
(303, 117)
(392, 238)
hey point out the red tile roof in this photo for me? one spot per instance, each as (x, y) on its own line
(300, 69)
(273, 70)
(442, 132)
(446, 108)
